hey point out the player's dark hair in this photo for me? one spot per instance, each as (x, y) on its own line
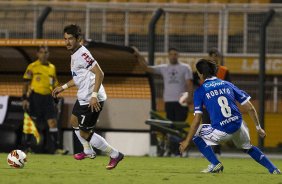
(74, 30)
(206, 67)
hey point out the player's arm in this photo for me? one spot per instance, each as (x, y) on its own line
(56, 81)
(193, 129)
(141, 60)
(60, 89)
(25, 88)
(254, 116)
(99, 77)
(27, 82)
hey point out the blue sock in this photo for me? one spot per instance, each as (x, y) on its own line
(258, 156)
(206, 150)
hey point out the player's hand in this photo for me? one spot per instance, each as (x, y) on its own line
(94, 104)
(56, 91)
(261, 133)
(183, 146)
(25, 105)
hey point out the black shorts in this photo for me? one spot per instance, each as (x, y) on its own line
(86, 118)
(42, 107)
(176, 112)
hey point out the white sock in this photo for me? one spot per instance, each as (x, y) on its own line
(87, 148)
(100, 143)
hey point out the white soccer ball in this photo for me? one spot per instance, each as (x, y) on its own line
(16, 159)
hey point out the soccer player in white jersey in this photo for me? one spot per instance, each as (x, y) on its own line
(219, 97)
(87, 76)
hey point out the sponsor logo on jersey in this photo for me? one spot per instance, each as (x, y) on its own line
(229, 120)
(88, 59)
(214, 84)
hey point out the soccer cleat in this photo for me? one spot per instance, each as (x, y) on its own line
(82, 155)
(276, 171)
(114, 161)
(213, 168)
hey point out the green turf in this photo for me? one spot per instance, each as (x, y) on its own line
(53, 169)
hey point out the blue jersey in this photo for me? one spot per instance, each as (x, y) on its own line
(219, 97)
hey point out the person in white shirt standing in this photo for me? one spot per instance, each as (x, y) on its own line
(177, 79)
(87, 76)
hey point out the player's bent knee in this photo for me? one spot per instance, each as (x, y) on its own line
(86, 135)
(52, 123)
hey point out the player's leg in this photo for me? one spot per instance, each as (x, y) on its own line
(87, 121)
(181, 114)
(206, 120)
(100, 143)
(33, 113)
(262, 159)
(55, 137)
(88, 151)
(170, 111)
(241, 139)
(204, 138)
(53, 132)
(50, 115)
(171, 147)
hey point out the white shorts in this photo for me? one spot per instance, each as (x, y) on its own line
(211, 136)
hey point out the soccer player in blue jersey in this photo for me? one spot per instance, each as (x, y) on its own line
(219, 97)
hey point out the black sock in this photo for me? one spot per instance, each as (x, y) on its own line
(54, 135)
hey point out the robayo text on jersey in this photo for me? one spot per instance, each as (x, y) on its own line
(219, 97)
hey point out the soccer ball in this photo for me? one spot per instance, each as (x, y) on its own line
(16, 159)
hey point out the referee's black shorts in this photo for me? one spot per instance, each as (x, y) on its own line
(86, 118)
(42, 107)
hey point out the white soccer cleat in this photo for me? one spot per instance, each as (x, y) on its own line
(276, 171)
(213, 168)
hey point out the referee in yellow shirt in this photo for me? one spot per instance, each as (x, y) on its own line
(40, 79)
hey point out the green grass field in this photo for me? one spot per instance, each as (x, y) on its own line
(53, 169)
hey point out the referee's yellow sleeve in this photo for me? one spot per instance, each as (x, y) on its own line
(28, 72)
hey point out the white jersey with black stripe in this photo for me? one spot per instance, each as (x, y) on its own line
(81, 63)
